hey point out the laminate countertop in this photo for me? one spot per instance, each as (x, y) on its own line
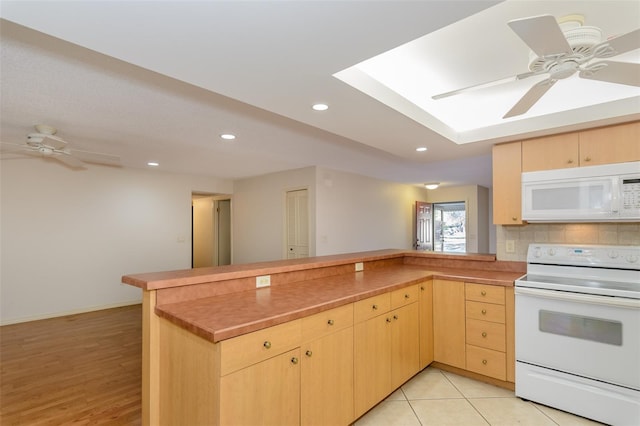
(225, 316)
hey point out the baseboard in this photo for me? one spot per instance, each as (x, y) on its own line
(72, 312)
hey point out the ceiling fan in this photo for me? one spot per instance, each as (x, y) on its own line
(45, 144)
(562, 49)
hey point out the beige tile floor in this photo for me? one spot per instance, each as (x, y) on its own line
(436, 397)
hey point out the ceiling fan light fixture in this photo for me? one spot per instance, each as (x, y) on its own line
(432, 185)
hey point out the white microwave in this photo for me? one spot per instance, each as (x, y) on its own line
(606, 193)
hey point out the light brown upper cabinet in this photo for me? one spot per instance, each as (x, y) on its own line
(614, 144)
(551, 152)
(606, 145)
(507, 168)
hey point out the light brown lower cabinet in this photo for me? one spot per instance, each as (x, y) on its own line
(332, 367)
(386, 346)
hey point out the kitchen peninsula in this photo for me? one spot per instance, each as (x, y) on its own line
(327, 340)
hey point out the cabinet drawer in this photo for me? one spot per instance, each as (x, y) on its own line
(371, 307)
(487, 362)
(490, 335)
(327, 322)
(404, 296)
(484, 311)
(248, 349)
(484, 293)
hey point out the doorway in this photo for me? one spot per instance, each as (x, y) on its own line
(210, 230)
(449, 227)
(297, 224)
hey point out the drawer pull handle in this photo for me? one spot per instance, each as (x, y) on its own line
(308, 353)
(484, 312)
(406, 296)
(388, 320)
(330, 322)
(374, 307)
(484, 361)
(294, 360)
(267, 344)
(484, 293)
(484, 334)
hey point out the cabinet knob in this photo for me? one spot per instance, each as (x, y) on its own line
(569, 161)
(388, 320)
(484, 293)
(374, 307)
(395, 317)
(514, 218)
(484, 361)
(308, 353)
(484, 312)
(294, 360)
(267, 344)
(406, 296)
(330, 322)
(422, 287)
(484, 334)
(587, 159)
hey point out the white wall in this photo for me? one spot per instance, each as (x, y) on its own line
(68, 236)
(356, 213)
(258, 212)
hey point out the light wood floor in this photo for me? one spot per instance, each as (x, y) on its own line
(80, 369)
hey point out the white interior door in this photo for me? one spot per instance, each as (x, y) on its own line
(297, 226)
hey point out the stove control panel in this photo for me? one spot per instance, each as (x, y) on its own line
(624, 257)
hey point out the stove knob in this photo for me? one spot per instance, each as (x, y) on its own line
(632, 258)
(612, 254)
(551, 252)
(537, 252)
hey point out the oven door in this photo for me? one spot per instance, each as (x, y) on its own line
(591, 336)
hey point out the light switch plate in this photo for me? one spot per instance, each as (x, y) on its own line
(263, 281)
(510, 246)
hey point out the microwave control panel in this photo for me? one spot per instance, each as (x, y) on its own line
(631, 193)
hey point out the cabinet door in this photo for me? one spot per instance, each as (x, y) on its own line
(449, 323)
(426, 323)
(550, 152)
(266, 393)
(615, 144)
(507, 200)
(405, 351)
(372, 362)
(326, 392)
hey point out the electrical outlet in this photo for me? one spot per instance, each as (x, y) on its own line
(263, 281)
(510, 246)
(359, 266)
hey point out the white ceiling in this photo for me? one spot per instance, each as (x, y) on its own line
(162, 80)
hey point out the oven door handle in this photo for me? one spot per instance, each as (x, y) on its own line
(579, 297)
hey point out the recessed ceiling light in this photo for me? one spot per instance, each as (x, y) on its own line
(432, 185)
(320, 107)
(153, 164)
(421, 149)
(228, 136)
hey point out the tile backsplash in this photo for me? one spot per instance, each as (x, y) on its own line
(563, 233)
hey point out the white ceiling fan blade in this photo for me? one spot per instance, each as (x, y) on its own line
(618, 45)
(54, 142)
(487, 84)
(12, 147)
(530, 98)
(542, 34)
(96, 157)
(67, 159)
(613, 72)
